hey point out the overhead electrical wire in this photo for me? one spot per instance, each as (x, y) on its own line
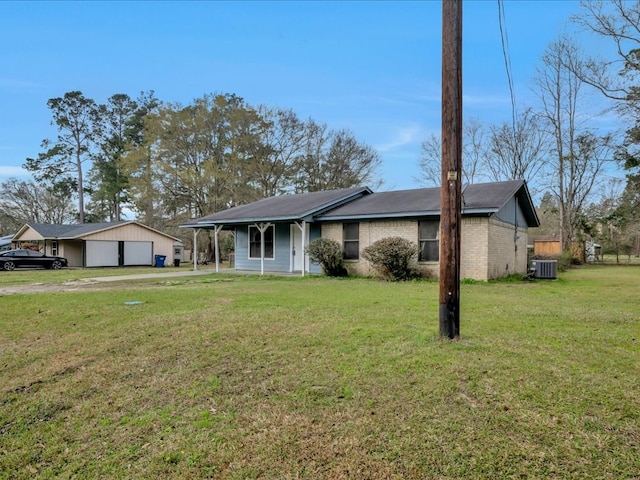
(504, 37)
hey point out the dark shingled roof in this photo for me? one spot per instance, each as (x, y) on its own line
(71, 231)
(361, 204)
(282, 207)
(478, 199)
(78, 231)
(384, 204)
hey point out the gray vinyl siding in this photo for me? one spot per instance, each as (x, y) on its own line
(281, 250)
(282, 246)
(512, 213)
(315, 232)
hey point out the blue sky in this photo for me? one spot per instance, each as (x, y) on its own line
(370, 66)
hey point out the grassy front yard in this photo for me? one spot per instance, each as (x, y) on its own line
(23, 276)
(237, 377)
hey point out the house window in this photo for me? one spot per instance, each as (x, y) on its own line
(254, 242)
(428, 240)
(54, 248)
(351, 240)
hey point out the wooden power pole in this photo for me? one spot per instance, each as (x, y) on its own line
(451, 191)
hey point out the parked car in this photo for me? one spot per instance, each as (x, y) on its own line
(12, 259)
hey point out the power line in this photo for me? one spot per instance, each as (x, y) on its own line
(504, 37)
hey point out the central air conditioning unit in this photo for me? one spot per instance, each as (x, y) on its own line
(545, 269)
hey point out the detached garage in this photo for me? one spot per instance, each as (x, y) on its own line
(114, 244)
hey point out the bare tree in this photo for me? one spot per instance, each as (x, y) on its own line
(474, 153)
(579, 154)
(25, 201)
(518, 151)
(333, 159)
(617, 79)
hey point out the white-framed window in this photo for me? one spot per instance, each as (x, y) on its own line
(254, 242)
(428, 239)
(351, 240)
(54, 248)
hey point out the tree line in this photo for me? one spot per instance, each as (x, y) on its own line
(168, 163)
(557, 145)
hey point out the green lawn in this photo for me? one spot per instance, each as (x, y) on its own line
(25, 276)
(238, 377)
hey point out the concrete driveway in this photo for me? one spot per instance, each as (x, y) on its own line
(95, 282)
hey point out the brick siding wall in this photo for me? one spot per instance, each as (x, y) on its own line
(473, 248)
(507, 249)
(487, 246)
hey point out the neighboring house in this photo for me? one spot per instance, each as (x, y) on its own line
(114, 244)
(271, 234)
(5, 242)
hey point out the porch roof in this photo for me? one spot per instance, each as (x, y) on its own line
(302, 206)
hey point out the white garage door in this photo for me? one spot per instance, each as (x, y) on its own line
(101, 253)
(138, 253)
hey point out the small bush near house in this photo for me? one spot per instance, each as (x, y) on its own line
(391, 256)
(328, 253)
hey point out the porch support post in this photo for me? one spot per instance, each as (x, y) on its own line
(194, 254)
(303, 228)
(217, 230)
(262, 227)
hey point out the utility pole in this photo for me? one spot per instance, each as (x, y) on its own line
(451, 190)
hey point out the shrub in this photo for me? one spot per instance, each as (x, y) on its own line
(391, 256)
(328, 253)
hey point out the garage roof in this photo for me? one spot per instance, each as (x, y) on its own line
(71, 232)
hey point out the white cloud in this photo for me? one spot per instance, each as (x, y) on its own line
(16, 83)
(12, 171)
(480, 100)
(401, 137)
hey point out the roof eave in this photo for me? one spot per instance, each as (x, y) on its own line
(306, 215)
(412, 214)
(240, 221)
(377, 216)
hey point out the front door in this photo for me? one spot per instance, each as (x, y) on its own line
(297, 252)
